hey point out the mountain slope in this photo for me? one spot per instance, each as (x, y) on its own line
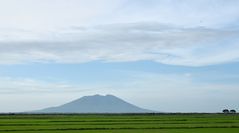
(96, 104)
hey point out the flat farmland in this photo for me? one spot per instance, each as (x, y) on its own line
(119, 123)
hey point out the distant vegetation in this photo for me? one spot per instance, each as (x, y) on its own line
(227, 111)
(119, 123)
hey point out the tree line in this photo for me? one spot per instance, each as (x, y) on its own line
(226, 111)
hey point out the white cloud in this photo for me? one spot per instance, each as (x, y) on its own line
(124, 42)
(42, 15)
(208, 13)
(190, 33)
(26, 85)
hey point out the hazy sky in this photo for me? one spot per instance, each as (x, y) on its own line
(166, 55)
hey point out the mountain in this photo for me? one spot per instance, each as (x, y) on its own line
(96, 104)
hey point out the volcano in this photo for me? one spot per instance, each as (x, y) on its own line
(96, 104)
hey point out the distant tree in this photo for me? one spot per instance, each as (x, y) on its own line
(225, 111)
(233, 111)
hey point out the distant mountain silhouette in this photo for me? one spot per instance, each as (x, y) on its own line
(96, 104)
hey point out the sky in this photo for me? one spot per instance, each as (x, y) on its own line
(164, 55)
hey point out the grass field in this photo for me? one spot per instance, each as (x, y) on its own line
(124, 123)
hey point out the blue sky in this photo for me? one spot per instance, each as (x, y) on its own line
(166, 55)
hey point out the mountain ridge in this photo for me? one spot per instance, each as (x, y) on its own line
(96, 104)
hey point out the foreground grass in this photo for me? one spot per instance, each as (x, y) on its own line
(153, 123)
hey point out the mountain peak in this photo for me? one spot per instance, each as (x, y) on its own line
(98, 95)
(96, 104)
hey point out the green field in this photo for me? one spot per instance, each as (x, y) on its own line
(124, 123)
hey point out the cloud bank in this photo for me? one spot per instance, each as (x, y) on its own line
(11, 85)
(123, 42)
(188, 33)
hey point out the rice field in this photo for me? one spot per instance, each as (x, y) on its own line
(119, 123)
